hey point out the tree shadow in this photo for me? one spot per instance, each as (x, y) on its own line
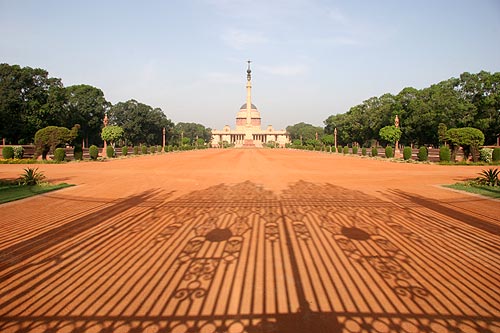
(240, 258)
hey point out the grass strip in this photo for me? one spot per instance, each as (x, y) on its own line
(15, 192)
(488, 191)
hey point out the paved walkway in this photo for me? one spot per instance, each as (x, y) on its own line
(250, 241)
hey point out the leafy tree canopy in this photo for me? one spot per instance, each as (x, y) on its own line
(112, 133)
(304, 132)
(51, 137)
(193, 131)
(390, 133)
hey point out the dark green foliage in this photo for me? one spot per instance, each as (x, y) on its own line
(152, 149)
(159, 149)
(59, 154)
(390, 133)
(93, 152)
(339, 149)
(355, 150)
(423, 153)
(389, 152)
(124, 150)
(304, 132)
(444, 154)
(346, 150)
(363, 151)
(489, 177)
(496, 155)
(374, 152)
(18, 152)
(31, 176)
(136, 150)
(110, 151)
(407, 153)
(144, 150)
(468, 138)
(78, 153)
(51, 137)
(8, 152)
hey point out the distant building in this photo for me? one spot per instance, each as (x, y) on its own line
(248, 132)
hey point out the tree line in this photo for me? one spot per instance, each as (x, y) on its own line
(472, 100)
(31, 100)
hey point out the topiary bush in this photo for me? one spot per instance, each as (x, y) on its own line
(444, 154)
(110, 151)
(59, 154)
(389, 152)
(125, 150)
(159, 149)
(495, 157)
(152, 149)
(339, 149)
(8, 152)
(407, 153)
(144, 149)
(355, 150)
(423, 154)
(136, 150)
(363, 151)
(78, 153)
(374, 152)
(18, 152)
(346, 150)
(485, 155)
(93, 152)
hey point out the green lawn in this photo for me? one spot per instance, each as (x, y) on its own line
(16, 192)
(488, 191)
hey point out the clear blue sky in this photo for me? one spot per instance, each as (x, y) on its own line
(311, 58)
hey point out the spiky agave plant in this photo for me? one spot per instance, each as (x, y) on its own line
(489, 177)
(31, 176)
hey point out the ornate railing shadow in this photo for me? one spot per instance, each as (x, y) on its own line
(315, 258)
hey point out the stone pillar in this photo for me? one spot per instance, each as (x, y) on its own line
(164, 138)
(105, 122)
(335, 134)
(397, 152)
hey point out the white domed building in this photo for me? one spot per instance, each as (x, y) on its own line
(248, 132)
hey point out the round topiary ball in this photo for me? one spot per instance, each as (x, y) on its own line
(59, 154)
(8, 152)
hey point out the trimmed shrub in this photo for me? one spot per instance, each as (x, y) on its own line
(355, 150)
(110, 151)
(389, 152)
(136, 150)
(152, 149)
(444, 154)
(59, 154)
(78, 153)
(423, 154)
(485, 155)
(8, 152)
(339, 149)
(18, 152)
(93, 152)
(374, 152)
(346, 150)
(363, 151)
(496, 155)
(125, 150)
(144, 150)
(407, 153)
(159, 149)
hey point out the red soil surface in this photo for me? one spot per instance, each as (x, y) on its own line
(250, 241)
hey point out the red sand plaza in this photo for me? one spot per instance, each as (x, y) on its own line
(250, 241)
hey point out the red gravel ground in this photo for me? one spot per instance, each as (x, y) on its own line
(250, 241)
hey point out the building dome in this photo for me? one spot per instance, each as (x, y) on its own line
(244, 107)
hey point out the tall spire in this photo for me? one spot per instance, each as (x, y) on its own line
(249, 94)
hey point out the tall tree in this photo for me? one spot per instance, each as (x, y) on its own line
(193, 131)
(304, 132)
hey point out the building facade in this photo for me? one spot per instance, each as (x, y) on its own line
(248, 132)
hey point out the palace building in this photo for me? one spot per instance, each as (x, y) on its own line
(248, 132)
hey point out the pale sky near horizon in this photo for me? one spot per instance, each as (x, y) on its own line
(310, 58)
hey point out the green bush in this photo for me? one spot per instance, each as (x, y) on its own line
(407, 153)
(423, 154)
(110, 151)
(363, 151)
(144, 150)
(485, 155)
(339, 149)
(31, 176)
(152, 149)
(93, 152)
(346, 150)
(159, 149)
(18, 152)
(78, 153)
(444, 154)
(8, 152)
(374, 152)
(59, 154)
(496, 155)
(355, 150)
(389, 152)
(136, 150)
(125, 150)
